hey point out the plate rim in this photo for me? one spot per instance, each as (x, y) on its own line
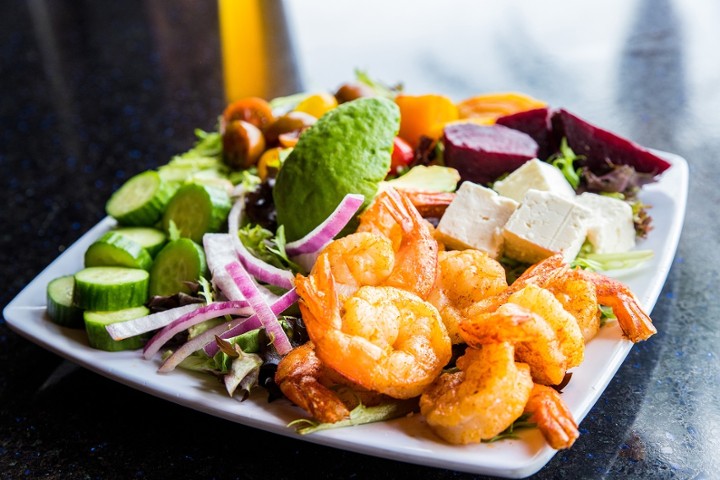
(16, 312)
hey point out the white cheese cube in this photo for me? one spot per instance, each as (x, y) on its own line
(475, 219)
(545, 224)
(611, 228)
(534, 174)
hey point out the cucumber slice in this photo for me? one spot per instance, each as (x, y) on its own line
(98, 337)
(151, 239)
(196, 210)
(141, 200)
(115, 249)
(179, 261)
(60, 306)
(110, 288)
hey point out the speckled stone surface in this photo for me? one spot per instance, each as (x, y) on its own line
(93, 92)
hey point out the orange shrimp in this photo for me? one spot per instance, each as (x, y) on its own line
(381, 338)
(548, 410)
(536, 342)
(634, 322)
(304, 380)
(465, 278)
(393, 215)
(482, 399)
(579, 297)
(359, 259)
(325, 394)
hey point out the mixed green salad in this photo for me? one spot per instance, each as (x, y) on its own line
(199, 268)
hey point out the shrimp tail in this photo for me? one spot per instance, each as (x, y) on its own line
(548, 410)
(634, 322)
(318, 296)
(417, 240)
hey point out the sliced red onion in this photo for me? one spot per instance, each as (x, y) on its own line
(208, 336)
(249, 289)
(331, 226)
(148, 323)
(277, 307)
(219, 251)
(261, 270)
(213, 310)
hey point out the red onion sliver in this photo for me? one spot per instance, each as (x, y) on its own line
(331, 226)
(219, 251)
(213, 310)
(208, 336)
(148, 323)
(247, 287)
(277, 307)
(261, 270)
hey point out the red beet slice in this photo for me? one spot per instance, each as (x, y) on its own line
(601, 146)
(483, 153)
(536, 123)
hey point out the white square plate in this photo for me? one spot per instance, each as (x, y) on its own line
(407, 439)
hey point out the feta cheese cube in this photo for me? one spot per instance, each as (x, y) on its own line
(475, 219)
(544, 224)
(611, 228)
(534, 174)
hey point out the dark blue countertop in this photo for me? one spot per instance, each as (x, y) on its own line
(94, 92)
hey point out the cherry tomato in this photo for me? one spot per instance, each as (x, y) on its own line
(402, 155)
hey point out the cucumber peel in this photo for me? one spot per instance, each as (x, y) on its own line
(197, 209)
(110, 288)
(115, 249)
(98, 336)
(179, 261)
(141, 200)
(60, 306)
(151, 239)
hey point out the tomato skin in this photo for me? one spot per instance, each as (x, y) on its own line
(402, 155)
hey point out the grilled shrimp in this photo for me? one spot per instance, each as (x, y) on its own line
(381, 338)
(543, 303)
(553, 418)
(578, 296)
(634, 322)
(359, 259)
(482, 399)
(393, 216)
(304, 380)
(535, 340)
(326, 395)
(465, 278)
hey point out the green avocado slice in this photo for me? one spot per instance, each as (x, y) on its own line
(348, 150)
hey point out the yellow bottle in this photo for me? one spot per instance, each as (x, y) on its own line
(258, 58)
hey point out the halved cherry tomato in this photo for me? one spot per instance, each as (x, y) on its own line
(254, 110)
(402, 155)
(318, 104)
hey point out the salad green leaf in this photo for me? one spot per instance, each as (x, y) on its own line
(565, 160)
(358, 416)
